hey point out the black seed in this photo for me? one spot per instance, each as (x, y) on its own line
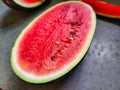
(72, 33)
(52, 58)
(75, 24)
(59, 50)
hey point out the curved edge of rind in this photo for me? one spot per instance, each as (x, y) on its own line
(59, 74)
(30, 5)
(13, 5)
(107, 15)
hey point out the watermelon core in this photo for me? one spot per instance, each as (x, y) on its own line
(54, 42)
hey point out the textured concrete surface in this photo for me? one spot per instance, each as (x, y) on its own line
(99, 70)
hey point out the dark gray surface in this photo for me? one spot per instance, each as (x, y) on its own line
(100, 69)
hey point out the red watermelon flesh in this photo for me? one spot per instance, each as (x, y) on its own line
(25, 3)
(54, 41)
(30, 1)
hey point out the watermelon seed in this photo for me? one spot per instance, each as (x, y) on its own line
(71, 38)
(75, 24)
(67, 40)
(57, 42)
(52, 58)
(58, 50)
(72, 33)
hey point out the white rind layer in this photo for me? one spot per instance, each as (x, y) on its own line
(43, 79)
(28, 5)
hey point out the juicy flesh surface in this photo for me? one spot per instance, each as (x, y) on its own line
(104, 8)
(54, 39)
(107, 9)
(30, 1)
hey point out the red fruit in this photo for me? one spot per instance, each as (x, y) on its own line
(104, 8)
(54, 43)
(23, 4)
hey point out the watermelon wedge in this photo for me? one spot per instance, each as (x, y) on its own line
(23, 4)
(29, 3)
(54, 42)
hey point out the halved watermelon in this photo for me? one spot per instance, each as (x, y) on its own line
(29, 3)
(54, 43)
(23, 4)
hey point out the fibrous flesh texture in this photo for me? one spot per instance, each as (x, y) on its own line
(55, 41)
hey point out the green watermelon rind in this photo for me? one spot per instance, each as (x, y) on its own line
(44, 79)
(28, 5)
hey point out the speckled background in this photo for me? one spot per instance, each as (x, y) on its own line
(99, 70)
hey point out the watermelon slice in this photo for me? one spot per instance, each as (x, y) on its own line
(29, 3)
(54, 43)
(23, 4)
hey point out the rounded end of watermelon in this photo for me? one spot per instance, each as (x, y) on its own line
(23, 4)
(29, 3)
(32, 78)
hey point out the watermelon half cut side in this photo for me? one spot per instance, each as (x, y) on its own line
(54, 43)
(24, 5)
(29, 3)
